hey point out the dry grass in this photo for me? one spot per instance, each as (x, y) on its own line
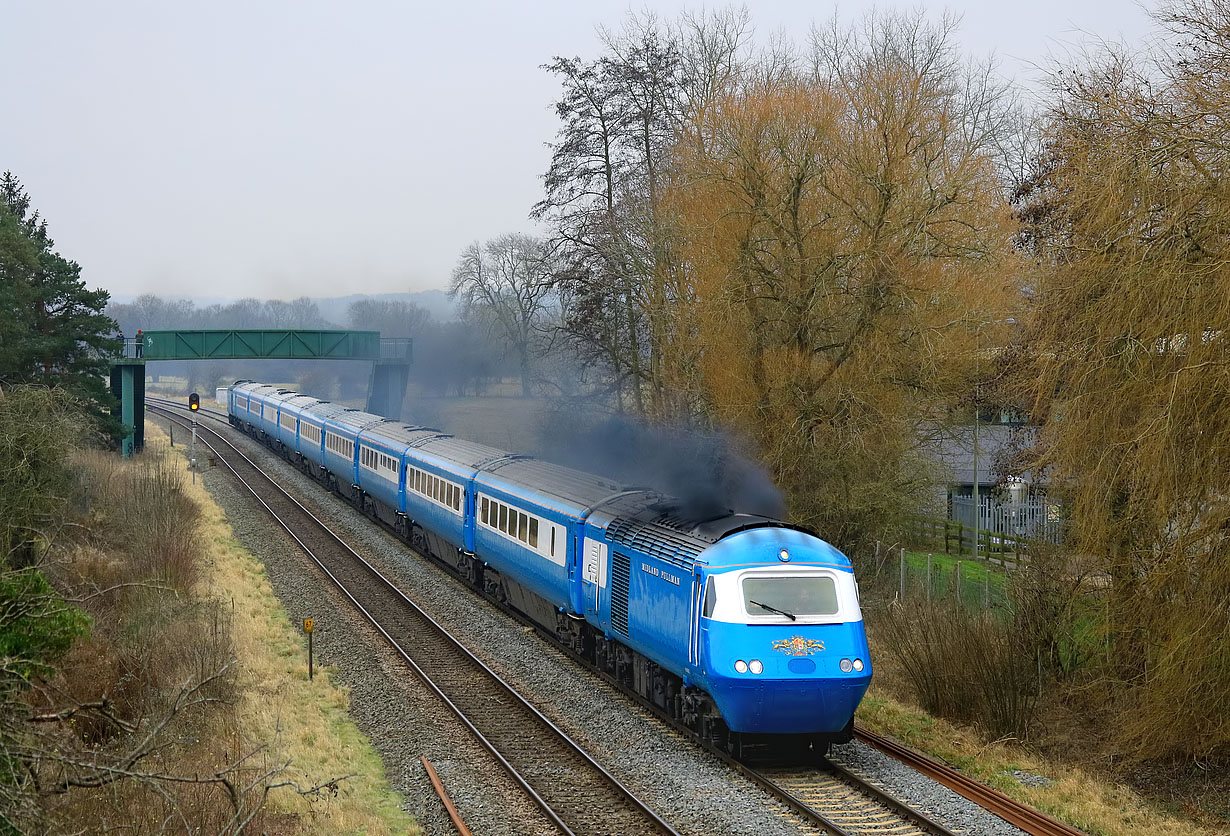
(301, 721)
(1084, 800)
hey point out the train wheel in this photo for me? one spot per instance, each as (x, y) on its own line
(734, 744)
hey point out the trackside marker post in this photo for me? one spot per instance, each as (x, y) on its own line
(308, 625)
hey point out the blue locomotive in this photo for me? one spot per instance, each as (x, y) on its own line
(745, 628)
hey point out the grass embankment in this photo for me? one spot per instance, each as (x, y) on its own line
(1070, 794)
(962, 656)
(301, 721)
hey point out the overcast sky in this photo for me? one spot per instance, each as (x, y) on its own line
(276, 149)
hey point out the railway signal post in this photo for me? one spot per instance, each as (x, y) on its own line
(194, 404)
(308, 625)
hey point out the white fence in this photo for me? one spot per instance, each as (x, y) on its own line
(1033, 518)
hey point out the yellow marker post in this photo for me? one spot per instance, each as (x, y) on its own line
(308, 624)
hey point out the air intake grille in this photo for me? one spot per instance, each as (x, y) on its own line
(620, 571)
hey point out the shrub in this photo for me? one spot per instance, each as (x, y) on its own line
(968, 666)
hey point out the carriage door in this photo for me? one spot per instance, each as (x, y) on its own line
(694, 619)
(593, 575)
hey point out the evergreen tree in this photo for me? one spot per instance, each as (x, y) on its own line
(52, 327)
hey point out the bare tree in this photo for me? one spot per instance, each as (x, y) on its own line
(622, 115)
(392, 318)
(508, 281)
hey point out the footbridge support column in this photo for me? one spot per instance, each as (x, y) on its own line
(128, 387)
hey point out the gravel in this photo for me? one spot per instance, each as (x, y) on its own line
(690, 789)
(1029, 779)
(936, 800)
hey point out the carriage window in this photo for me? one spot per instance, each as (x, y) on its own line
(484, 509)
(503, 518)
(534, 532)
(523, 528)
(553, 541)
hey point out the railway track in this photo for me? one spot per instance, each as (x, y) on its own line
(1008, 809)
(825, 795)
(849, 802)
(571, 788)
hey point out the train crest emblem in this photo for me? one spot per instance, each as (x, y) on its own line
(798, 646)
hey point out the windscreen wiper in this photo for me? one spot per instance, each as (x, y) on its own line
(789, 615)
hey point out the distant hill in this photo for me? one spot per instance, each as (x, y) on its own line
(442, 308)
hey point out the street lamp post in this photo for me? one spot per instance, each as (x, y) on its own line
(977, 516)
(977, 372)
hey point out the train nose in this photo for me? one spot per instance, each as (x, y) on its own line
(782, 679)
(794, 704)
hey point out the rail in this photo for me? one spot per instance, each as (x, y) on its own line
(1009, 809)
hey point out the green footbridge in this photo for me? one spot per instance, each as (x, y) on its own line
(390, 359)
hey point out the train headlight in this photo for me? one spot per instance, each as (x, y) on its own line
(741, 666)
(783, 556)
(846, 666)
(858, 664)
(757, 666)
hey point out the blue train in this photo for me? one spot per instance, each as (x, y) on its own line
(745, 628)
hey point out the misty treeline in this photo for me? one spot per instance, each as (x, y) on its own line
(839, 250)
(452, 357)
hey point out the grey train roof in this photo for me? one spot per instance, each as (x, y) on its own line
(301, 401)
(282, 396)
(574, 487)
(655, 524)
(325, 410)
(469, 454)
(406, 435)
(354, 420)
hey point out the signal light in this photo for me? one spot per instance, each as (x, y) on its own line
(194, 401)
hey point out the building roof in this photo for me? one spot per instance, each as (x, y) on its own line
(955, 452)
